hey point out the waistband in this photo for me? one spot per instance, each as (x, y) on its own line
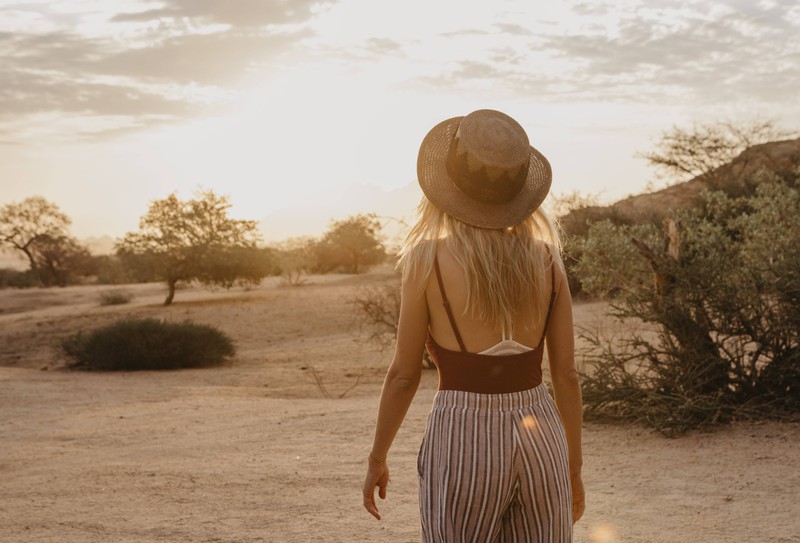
(500, 402)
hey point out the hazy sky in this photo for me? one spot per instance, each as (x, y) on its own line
(105, 105)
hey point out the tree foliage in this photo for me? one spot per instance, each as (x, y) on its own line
(38, 229)
(352, 244)
(718, 293)
(61, 260)
(684, 153)
(195, 240)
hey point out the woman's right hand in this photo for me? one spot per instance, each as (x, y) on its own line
(578, 497)
(377, 475)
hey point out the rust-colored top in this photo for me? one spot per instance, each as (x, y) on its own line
(485, 373)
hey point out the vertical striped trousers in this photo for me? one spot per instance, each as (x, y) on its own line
(494, 468)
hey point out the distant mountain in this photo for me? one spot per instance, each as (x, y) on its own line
(734, 178)
(313, 216)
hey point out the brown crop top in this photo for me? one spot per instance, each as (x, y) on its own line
(484, 373)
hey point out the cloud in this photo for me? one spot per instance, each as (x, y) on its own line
(142, 70)
(218, 58)
(735, 54)
(591, 8)
(30, 92)
(515, 29)
(464, 33)
(239, 13)
(383, 46)
(651, 53)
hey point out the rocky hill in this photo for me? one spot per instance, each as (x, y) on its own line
(735, 178)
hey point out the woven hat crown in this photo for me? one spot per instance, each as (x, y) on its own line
(488, 157)
(482, 170)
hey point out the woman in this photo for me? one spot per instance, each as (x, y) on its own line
(484, 289)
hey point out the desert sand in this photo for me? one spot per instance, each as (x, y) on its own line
(254, 452)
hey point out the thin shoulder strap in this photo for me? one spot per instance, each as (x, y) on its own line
(552, 296)
(447, 304)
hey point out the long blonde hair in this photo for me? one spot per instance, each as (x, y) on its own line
(503, 267)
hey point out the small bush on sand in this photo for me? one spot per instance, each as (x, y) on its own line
(148, 344)
(115, 297)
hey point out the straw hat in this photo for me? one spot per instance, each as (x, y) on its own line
(482, 170)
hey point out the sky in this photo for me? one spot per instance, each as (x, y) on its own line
(306, 110)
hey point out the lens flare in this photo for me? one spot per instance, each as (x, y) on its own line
(604, 533)
(529, 423)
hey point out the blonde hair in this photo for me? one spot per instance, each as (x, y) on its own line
(503, 267)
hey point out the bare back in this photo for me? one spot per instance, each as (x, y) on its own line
(477, 335)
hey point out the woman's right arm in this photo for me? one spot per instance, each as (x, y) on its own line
(567, 386)
(399, 387)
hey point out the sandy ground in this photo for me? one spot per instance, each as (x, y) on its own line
(253, 451)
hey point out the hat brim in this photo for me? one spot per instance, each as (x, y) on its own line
(440, 189)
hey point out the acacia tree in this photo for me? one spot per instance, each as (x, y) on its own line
(38, 229)
(684, 153)
(195, 240)
(352, 244)
(60, 260)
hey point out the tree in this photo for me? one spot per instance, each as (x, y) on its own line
(685, 153)
(25, 224)
(38, 229)
(194, 240)
(59, 260)
(352, 244)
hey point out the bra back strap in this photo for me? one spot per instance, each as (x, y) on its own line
(447, 304)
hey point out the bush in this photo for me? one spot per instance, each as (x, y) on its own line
(148, 344)
(295, 258)
(115, 297)
(719, 291)
(10, 278)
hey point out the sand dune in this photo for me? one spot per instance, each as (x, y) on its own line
(253, 452)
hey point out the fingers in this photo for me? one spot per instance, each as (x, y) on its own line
(578, 497)
(578, 507)
(376, 476)
(369, 492)
(577, 513)
(372, 509)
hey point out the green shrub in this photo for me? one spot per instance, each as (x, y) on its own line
(720, 313)
(148, 344)
(115, 297)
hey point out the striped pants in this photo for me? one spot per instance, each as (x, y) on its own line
(494, 468)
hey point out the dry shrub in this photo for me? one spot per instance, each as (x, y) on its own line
(377, 312)
(115, 297)
(319, 382)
